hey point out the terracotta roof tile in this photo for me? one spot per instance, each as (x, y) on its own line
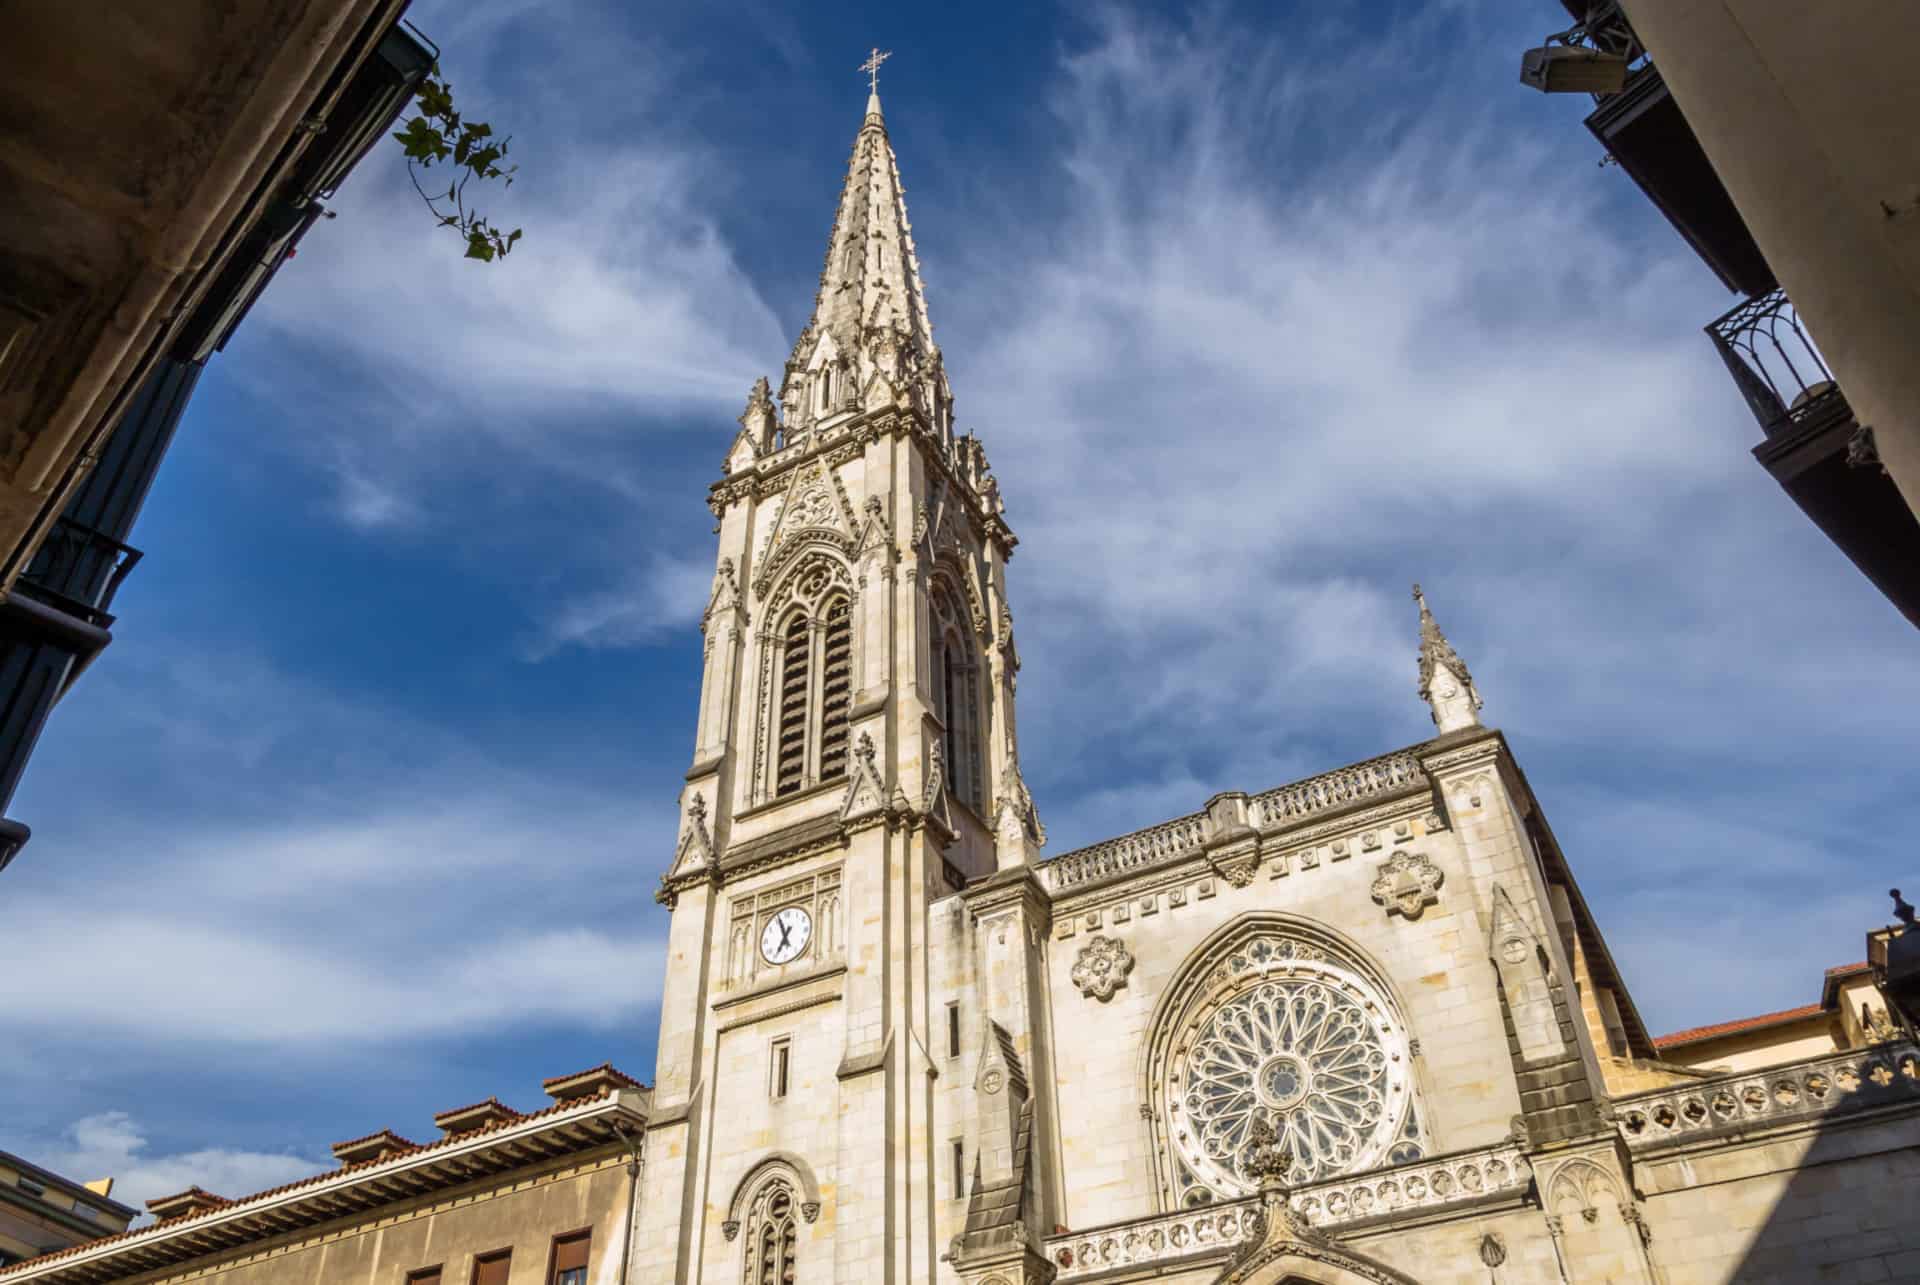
(195, 1198)
(167, 1224)
(1694, 1035)
(375, 1145)
(1848, 970)
(605, 1068)
(596, 1079)
(475, 1114)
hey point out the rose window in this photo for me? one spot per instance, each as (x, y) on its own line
(1294, 1037)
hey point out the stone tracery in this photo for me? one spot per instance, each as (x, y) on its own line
(1274, 1029)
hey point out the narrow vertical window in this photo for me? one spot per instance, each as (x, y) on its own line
(792, 750)
(424, 1276)
(953, 1029)
(976, 793)
(836, 693)
(951, 714)
(782, 1069)
(959, 1169)
(492, 1269)
(570, 1259)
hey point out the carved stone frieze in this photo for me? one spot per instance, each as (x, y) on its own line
(1856, 1080)
(1192, 1233)
(1101, 967)
(1407, 883)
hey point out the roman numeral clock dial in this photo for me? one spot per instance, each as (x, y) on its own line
(786, 935)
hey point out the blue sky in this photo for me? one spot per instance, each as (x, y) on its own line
(1263, 311)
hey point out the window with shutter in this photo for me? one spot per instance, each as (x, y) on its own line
(794, 679)
(570, 1258)
(425, 1276)
(836, 691)
(492, 1269)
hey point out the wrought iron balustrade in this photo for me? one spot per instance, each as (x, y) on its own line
(1774, 363)
(79, 570)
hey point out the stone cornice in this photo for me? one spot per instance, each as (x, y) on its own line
(1461, 749)
(1006, 890)
(768, 475)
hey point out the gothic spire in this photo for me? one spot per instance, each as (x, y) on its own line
(870, 313)
(1445, 684)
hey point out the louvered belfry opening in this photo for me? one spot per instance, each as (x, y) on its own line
(836, 691)
(792, 759)
(952, 714)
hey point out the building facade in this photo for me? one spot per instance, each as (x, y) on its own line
(1779, 144)
(56, 606)
(41, 1212)
(1356, 1028)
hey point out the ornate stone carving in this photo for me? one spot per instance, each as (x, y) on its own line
(810, 1210)
(1102, 966)
(1862, 1079)
(1445, 684)
(1407, 883)
(1493, 1250)
(730, 1228)
(1205, 1230)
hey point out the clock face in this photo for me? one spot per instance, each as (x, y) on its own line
(786, 935)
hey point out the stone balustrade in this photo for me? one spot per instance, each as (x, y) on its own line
(1336, 789)
(1208, 1229)
(1148, 847)
(1285, 806)
(1858, 1080)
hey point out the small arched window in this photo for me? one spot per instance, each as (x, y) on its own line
(795, 677)
(826, 388)
(771, 1236)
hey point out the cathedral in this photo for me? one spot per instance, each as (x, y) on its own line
(1359, 1028)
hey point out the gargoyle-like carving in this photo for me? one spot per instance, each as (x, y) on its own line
(1265, 1158)
(1407, 883)
(1102, 966)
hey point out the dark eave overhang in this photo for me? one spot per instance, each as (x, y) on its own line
(1643, 130)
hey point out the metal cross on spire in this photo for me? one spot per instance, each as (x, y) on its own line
(872, 67)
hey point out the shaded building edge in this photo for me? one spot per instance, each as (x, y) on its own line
(56, 618)
(42, 1211)
(1814, 442)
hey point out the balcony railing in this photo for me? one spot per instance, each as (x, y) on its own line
(1773, 361)
(78, 569)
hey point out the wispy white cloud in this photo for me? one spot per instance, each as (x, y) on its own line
(669, 593)
(1267, 346)
(113, 1144)
(350, 877)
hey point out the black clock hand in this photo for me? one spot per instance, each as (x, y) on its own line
(784, 939)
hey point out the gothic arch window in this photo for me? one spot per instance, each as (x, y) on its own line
(809, 680)
(1278, 1020)
(956, 699)
(772, 1233)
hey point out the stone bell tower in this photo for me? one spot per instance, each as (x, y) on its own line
(854, 758)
